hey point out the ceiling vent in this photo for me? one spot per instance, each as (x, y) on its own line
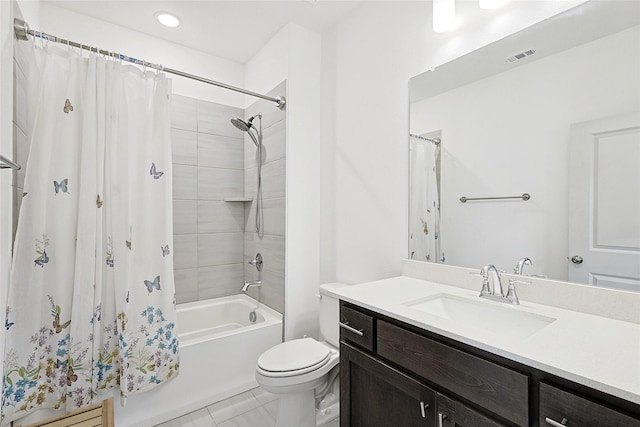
(520, 55)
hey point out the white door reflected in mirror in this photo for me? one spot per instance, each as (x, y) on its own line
(604, 208)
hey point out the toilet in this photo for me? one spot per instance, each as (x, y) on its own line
(304, 372)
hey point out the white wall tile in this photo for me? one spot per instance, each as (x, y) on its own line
(220, 280)
(183, 113)
(186, 282)
(210, 256)
(220, 248)
(272, 290)
(184, 146)
(217, 184)
(216, 119)
(217, 216)
(185, 182)
(185, 216)
(274, 146)
(185, 251)
(273, 216)
(273, 180)
(220, 151)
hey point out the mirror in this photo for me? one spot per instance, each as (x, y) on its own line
(551, 111)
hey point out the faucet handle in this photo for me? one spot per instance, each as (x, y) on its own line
(512, 297)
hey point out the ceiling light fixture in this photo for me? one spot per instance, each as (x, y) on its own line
(444, 15)
(168, 20)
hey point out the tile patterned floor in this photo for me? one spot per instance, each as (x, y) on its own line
(254, 408)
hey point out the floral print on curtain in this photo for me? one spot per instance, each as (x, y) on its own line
(91, 303)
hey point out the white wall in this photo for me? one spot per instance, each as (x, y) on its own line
(524, 133)
(70, 25)
(368, 59)
(294, 54)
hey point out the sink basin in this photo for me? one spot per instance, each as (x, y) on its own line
(505, 321)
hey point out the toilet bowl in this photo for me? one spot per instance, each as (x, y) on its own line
(303, 372)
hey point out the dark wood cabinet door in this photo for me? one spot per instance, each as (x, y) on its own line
(451, 413)
(557, 405)
(374, 394)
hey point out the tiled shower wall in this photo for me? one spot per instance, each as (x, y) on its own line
(208, 167)
(214, 238)
(272, 243)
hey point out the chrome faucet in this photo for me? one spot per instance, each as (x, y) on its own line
(523, 261)
(487, 289)
(495, 292)
(247, 285)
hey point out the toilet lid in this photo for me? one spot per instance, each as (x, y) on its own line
(305, 354)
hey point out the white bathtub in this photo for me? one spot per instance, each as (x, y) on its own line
(219, 348)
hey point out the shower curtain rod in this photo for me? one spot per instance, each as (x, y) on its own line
(435, 141)
(22, 31)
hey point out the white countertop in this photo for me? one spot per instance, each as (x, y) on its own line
(598, 352)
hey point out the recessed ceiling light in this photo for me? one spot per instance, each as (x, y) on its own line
(168, 20)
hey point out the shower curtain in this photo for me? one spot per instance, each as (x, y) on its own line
(424, 209)
(91, 303)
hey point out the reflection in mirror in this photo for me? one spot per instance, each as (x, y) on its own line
(424, 213)
(551, 111)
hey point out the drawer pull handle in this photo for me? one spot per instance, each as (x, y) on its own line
(345, 325)
(555, 423)
(423, 409)
(441, 418)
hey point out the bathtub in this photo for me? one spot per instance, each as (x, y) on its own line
(219, 348)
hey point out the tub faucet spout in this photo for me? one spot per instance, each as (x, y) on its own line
(247, 285)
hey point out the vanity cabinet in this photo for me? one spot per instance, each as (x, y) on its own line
(394, 374)
(380, 395)
(557, 405)
(452, 413)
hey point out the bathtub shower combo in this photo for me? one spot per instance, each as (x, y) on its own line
(219, 347)
(220, 339)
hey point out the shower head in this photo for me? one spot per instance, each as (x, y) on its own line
(245, 127)
(241, 124)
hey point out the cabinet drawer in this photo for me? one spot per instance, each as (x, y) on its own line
(493, 387)
(556, 404)
(452, 413)
(356, 327)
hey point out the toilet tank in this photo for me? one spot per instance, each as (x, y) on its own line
(330, 314)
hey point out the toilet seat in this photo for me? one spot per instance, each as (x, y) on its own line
(295, 357)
